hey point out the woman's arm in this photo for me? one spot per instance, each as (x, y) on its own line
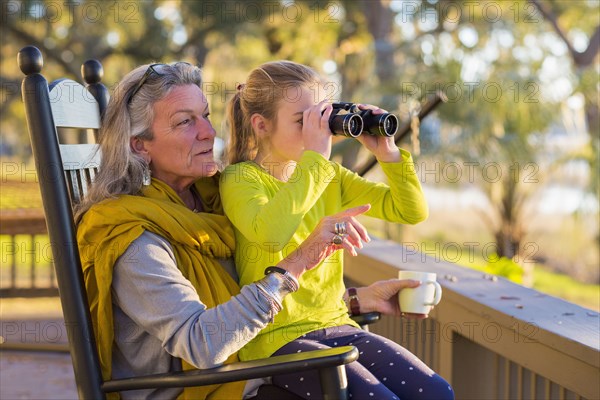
(150, 289)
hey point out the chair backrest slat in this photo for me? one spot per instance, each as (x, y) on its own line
(80, 163)
(73, 106)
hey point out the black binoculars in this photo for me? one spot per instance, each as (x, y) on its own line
(348, 120)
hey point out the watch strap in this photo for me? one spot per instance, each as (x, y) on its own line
(279, 270)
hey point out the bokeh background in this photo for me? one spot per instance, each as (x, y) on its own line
(509, 161)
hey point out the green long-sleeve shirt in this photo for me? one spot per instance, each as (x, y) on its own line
(271, 218)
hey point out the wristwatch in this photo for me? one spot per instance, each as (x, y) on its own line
(353, 300)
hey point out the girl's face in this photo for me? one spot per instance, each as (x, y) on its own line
(181, 150)
(285, 137)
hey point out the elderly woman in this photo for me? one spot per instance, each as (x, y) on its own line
(157, 249)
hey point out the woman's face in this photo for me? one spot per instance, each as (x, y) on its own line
(181, 150)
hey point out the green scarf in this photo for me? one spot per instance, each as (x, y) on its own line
(109, 227)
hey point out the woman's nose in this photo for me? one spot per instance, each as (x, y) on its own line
(206, 130)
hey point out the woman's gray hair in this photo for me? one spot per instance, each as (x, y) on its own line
(130, 113)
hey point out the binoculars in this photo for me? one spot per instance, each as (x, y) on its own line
(348, 120)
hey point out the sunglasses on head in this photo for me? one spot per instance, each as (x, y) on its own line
(152, 68)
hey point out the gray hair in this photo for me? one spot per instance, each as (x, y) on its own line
(130, 114)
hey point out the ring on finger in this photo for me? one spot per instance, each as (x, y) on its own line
(337, 239)
(340, 228)
(337, 228)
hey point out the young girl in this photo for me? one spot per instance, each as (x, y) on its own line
(280, 184)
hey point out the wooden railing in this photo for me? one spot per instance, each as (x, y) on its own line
(20, 272)
(492, 339)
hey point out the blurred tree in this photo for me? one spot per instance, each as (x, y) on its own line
(492, 59)
(559, 16)
(120, 34)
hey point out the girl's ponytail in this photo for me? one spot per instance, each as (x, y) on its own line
(242, 140)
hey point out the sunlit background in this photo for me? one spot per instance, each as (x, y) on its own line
(509, 162)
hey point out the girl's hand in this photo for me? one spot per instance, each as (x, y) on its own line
(383, 147)
(315, 129)
(319, 244)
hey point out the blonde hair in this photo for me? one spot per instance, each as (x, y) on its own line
(130, 114)
(264, 89)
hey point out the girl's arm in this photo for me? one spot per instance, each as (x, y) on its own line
(402, 201)
(266, 211)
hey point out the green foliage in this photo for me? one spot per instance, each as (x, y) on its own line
(565, 287)
(505, 267)
(25, 251)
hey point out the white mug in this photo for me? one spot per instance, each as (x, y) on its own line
(419, 300)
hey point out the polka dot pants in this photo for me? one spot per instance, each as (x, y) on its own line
(384, 370)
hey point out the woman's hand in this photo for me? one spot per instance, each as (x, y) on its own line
(383, 147)
(315, 128)
(382, 296)
(319, 244)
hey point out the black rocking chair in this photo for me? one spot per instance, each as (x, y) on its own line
(64, 173)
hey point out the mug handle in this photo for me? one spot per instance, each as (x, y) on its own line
(438, 293)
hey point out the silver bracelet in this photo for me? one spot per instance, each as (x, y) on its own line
(275, 305)
(290, 282)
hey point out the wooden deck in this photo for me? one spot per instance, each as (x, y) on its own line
(45, 372)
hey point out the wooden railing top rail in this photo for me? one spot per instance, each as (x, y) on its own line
(16, 221)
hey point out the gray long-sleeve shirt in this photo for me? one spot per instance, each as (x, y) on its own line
(159, 318)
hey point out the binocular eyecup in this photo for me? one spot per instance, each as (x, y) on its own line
(348, 120)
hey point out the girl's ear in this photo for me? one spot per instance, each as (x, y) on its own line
(260, 125)
(139, 147)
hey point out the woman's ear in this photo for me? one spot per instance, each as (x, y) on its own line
(139, 147)
(260, 125)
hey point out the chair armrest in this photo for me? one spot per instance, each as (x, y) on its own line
(239, 371)
(367, 318)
